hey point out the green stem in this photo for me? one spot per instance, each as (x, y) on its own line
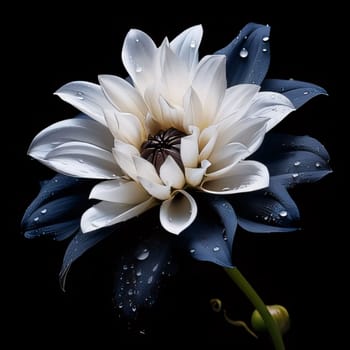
(254, 298)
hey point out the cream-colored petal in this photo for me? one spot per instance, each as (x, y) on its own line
(123, 95)
(125, 127)
(194, 176)
(156, 190)
(189, 149)
(207, 140)
(147, 170)
(270, 105)
(171, 174)
(87, 97)
(192, 109)
(226, 158)
(78, 129)
(186, 45)
(123, 154)
(246, 176)
(172, 115)
(108, 214)
(119, 191)
(210, 84)
(178, 212)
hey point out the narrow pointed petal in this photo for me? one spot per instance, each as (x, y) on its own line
(209, 83)
(87, 97)
(248, 55)
(123, 154)
(77, 129)
(57, 209)
(194, 176)
(156, 190)
(210, 237)
(245, 176)
(107, 214)
(192, 109)
(189, 149)
(171, 174)
(147, 170)
(298, 92)
(123, 95)
(186, 45)
(139, 58)
(178, 212)
(119, 191)
(82, 160)
(270, 105)
(172, 115)
(207, 140)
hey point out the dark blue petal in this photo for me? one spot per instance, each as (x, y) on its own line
(248, 55)
(269, 210)
(81, 243)
(56, 211)
(292, 159)
(210, 236)
(299, 92)
(141, 271)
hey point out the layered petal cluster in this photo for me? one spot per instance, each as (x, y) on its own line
(177, 127)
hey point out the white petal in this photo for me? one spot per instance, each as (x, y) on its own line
(186, 45)
(245, 176)
(192, 109)
(236, 101)
(151, 96)
(119, 191)
(172, 116)
(270, 105)
(87, 97)
(225, 158)
(189, 149)
(178, 212)
(107, 214)
(210, 84)
(175, 77)
(147, 170)
(171, 174)
(207, 142)
(248, 131)
(123, 154)
(77, 129)
(123, 95)
(125, 127)
(82, 160)
(156, 190)
(194, 176)
(139, 55)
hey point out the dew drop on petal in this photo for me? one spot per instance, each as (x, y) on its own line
(155, 267)
(138, 273)
(137, 40)
(36, 219)
(79, 95)
(120, 305)
(216, 249)
(193, 44)
(192, 251)
(297, 163)
(295, 175)
(138, 69)
(306, 92)
(245, 37)
(130, 291)
(81, 161)
(283, 213)
(44, 211)
(317, 164)
(150, 279)
(244, 53)
(125, 267)
(264, 50)
(265, 39)
(143, 255)
(133, 308)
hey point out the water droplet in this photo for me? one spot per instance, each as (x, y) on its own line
(283, 213)
(244, 53)
(266, 218)
(225, 189)
(55, 180)
(79, 95)
(137, 40)
(81, 161)
(295, 175)
(133, 308)
(224, 235)
(120, 305)
(143, 255)
(125, 267)
(142, 331)
(193, 44)
(216, 249)
(44, 211)
(317, 164)
(296, 163)
(138, 69)
(155, 267)
(264, 50)
(130, 291)
(138, 273)
(192, 251)
(245, 37)
(265, 39)
(150, 279)
(36, 219)
(306, 92)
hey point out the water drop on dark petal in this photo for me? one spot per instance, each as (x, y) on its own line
(244, 53)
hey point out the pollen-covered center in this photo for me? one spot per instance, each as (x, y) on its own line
(161, 145)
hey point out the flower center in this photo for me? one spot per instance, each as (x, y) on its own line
(161, 145)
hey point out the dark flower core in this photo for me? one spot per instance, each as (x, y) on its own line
(161, 145)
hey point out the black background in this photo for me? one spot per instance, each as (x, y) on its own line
(48, 46)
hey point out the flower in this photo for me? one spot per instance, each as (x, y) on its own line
(188, 136)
